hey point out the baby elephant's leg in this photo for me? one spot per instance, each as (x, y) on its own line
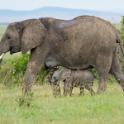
(67, 88)
(70, 91)
(88, 86)
(81, 89)
(58, 91)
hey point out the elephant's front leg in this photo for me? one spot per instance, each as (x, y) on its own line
(33, 67)
(35, 64)
(29, 77)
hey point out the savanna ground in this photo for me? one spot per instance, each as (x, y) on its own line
(107, 108)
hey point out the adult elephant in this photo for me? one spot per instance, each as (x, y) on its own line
(79, 43)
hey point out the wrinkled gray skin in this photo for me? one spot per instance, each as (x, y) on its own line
(80, 43)
(73, 78)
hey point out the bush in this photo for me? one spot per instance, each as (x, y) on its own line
(20, 64)
(42, 75)
(12, 70)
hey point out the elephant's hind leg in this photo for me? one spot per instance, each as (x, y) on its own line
(103, 65)
(116, 71)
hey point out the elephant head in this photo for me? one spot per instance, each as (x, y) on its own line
(61, 74)
(22, 36)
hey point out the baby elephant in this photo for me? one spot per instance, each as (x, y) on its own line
(73, 78)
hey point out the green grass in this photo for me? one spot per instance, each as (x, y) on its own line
(107, 108)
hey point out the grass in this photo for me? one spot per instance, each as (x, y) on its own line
(107, 108)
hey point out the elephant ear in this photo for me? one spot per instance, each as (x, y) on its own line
(33, 35)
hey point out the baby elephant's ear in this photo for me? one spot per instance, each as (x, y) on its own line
(33, 35)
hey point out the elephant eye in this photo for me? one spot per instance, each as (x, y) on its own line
(55, 78)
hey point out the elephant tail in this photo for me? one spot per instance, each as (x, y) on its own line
(120, 44)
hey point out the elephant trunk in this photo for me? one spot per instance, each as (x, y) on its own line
(4, 47)
(118, 40)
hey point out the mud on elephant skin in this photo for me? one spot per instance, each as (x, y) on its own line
(76, 44)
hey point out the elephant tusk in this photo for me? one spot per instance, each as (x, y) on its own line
(1, 57)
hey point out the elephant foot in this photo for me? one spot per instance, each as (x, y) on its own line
(57, 93)
(92, 93)
(121, 82)
(56, 90)
(81, 94)
(25, 100)
(102, 88)
(65, 94)
(100, 91)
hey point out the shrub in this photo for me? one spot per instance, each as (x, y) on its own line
(20, 64)
(12, 70)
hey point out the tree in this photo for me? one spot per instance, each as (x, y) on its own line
(122, 28)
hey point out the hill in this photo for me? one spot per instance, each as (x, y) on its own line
(7, 16)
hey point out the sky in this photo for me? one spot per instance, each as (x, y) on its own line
(106, 5)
